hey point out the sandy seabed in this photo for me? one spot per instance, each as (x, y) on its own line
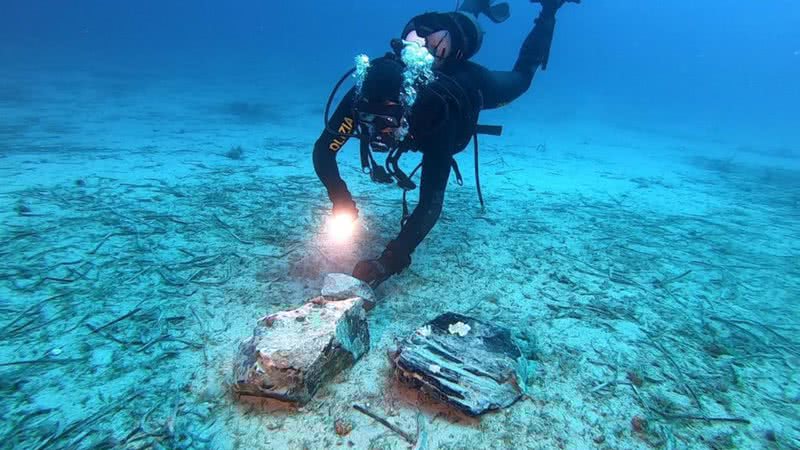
(652, 280)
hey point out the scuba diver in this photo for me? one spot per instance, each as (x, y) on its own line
(424, 96)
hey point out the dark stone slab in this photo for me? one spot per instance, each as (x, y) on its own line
(472, 365)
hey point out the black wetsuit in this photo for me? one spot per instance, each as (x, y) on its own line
(467, 88)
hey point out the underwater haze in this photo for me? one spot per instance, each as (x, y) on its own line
(640, 239)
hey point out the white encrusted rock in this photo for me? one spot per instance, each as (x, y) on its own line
(340, 286)
(292, 353)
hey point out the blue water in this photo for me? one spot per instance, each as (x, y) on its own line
(713, 66)
(642, 233)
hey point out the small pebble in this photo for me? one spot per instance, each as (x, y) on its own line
(639, 424)
(342, 427)
(275, 425)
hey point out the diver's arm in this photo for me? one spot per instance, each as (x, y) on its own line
(328, 146)
(501, 87)
(435, 173)
(397, 255)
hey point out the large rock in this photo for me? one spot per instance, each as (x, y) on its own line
(291, 353)
(472, 365)
(341, 286)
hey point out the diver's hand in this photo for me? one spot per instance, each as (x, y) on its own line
(345, 205)
(376, 271)
(371, 271)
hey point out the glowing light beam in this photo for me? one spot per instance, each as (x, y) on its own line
(341, 227)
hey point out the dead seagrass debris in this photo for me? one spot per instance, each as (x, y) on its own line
(367, 412)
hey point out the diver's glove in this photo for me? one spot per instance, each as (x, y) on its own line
(343, 204)
(345, 207)
(376, 271)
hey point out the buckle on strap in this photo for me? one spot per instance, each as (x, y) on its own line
(368, 165)
(456, 171)
(366, 156)
(394, 170)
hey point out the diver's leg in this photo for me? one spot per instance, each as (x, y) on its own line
(535, 49)
(436, 166)
(501, 87)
